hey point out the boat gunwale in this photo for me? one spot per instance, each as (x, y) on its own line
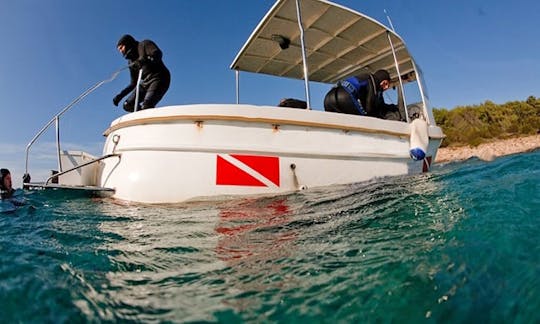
(180, 114)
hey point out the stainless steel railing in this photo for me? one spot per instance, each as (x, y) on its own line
(56, 120)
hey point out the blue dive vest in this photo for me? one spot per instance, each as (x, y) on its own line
(352, 86)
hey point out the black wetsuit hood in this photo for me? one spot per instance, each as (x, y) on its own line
(3, 173)
(131, 45)
(4, 192)
(379, 76)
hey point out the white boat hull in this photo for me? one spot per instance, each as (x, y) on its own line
(174, 154)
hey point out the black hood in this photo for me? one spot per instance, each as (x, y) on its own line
(380, 76)
(131, 46)
(127, 40)
(3, 173)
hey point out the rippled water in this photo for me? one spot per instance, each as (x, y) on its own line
(460, 244)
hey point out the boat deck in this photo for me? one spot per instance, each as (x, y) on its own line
(44, 186)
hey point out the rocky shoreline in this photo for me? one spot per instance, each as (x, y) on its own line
(489, 151)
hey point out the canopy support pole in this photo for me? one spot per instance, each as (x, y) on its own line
(304, 59)
(420, 81)
(399, 76)
(237, 76)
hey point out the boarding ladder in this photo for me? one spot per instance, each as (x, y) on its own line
(51, 182)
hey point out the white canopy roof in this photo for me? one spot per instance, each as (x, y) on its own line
(339, 43)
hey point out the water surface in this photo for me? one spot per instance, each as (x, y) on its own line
(459, 244)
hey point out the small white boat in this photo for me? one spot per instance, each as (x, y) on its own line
(177, 153)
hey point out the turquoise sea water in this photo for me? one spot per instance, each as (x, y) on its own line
(457, 245)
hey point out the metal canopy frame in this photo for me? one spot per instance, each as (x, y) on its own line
(327, 43)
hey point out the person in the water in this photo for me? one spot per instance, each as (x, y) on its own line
(6, 186)
(11, 199)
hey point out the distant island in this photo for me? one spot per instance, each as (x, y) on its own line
(489, 130)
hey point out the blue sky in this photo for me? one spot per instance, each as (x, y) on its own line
(53, 50)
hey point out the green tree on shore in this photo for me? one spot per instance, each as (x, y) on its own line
(476, 124)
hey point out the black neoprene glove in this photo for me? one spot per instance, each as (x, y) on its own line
(116, 99)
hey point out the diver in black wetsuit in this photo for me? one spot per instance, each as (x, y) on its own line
(361, 95)
(11, 199)
(156, 78)
(6, 187)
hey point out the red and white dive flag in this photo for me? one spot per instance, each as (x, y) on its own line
(247, 170)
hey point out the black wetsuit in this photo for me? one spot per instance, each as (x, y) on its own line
(6, 194)
(156, 77)
(358, 95)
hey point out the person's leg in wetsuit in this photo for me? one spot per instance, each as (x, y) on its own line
(129, 104)
(156, 91)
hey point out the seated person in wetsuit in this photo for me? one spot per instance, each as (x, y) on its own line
(361, 95)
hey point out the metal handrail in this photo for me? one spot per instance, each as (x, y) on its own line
(65, 109)
(56, 175)
(139, 78)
